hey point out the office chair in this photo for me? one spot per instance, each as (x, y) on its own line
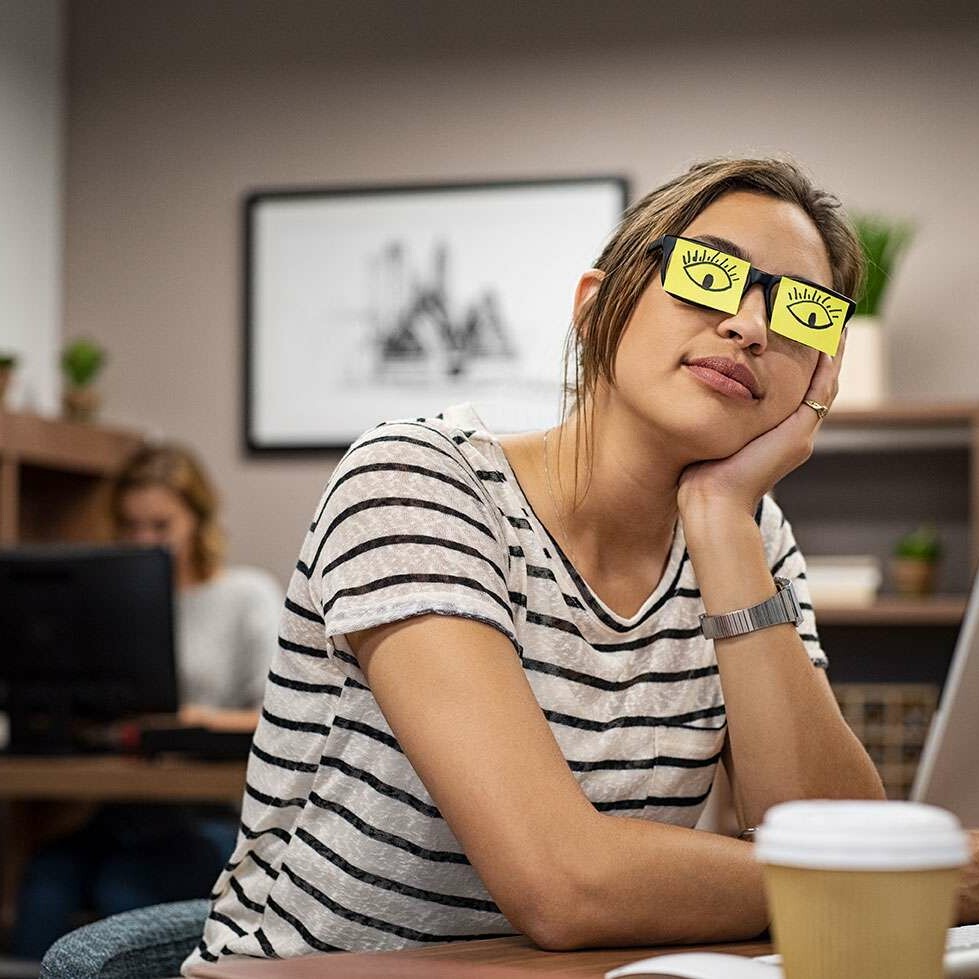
(144, 944)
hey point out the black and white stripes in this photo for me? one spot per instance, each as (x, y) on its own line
(341, 846)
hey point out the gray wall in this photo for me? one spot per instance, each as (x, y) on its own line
(31, 176)
(177, 109)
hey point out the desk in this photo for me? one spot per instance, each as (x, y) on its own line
(497, 958)
(29, 785)
(113, 778)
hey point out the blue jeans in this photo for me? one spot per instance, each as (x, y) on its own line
(126, 857)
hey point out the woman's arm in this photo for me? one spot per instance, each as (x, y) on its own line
(786, 735)
(219, 718)
(456, 697)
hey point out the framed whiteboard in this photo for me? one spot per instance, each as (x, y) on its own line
(367, 304)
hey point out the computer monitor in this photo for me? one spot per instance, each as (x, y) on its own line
(87, 635)
(948, 774)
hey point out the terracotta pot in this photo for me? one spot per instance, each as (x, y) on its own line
(912, 576)
(5, 374)
(81, 404)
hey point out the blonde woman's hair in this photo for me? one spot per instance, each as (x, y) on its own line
(596, 330)
(177, 469)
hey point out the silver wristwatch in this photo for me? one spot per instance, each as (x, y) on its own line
(781, 607)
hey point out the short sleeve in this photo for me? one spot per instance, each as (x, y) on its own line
(786, 560)
(405, 528)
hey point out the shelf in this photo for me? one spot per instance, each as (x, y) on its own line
(891, 610)
(55, 478)
(899, 426)
(64, 446)
(905, 413)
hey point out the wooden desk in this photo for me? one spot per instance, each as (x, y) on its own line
(111, 778)
(48, 796)
(498, 958)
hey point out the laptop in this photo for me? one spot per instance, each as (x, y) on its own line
(948, 773)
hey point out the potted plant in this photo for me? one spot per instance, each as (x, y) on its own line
(916, 559)
(7, 364)
(863, 378)
(81, 361)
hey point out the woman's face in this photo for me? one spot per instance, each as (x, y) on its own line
(663, 335)
(156, 516)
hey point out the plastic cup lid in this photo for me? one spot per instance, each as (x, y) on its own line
(831, 834)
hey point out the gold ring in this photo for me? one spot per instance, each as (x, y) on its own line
(817, 407)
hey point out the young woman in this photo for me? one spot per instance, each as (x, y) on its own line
(494, 707)
(226, 619)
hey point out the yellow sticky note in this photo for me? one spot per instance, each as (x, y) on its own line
(706, 276)
(807, 314)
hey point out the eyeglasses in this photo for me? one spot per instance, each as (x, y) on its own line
(701, 275)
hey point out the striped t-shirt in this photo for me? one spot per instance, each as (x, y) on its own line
(341, 846)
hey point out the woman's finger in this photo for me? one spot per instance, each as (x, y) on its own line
(825, 378)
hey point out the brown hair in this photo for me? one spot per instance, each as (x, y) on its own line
(597, 328)
(177, 469)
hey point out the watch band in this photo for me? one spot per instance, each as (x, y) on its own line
(782, 607)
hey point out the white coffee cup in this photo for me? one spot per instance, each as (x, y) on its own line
(861, 889)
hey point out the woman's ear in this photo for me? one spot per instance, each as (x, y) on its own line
(587, 287)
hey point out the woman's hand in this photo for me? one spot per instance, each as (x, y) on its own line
(739, 481)
(218, 718)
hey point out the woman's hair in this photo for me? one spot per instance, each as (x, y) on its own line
(177, 469)
(597, 328)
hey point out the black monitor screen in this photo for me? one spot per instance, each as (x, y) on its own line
(86, 635)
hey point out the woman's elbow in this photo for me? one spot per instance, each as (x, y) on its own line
(553, 927)
(551, 912)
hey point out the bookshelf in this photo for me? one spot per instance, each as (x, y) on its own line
(55, 478)
(874, 475)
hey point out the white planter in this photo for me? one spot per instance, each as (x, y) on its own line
(863, 378)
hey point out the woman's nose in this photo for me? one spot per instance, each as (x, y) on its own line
(750, 323)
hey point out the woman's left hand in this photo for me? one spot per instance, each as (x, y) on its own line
(738, 482)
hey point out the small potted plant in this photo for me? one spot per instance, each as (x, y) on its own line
(81, 361)
(915, 563)
(7, 364)
(863, 380)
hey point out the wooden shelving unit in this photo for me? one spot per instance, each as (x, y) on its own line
(55, 477)
(907, 427)
(894, 610)
(874, 475)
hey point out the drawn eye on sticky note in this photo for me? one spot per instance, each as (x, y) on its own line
(809, 315)
(705, 276)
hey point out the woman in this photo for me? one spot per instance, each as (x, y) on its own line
(494, 708)
(226, 623)
(226, 618)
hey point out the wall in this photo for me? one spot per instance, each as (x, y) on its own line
(177, 109)
(31, 173)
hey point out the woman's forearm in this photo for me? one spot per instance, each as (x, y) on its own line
(636, 882)
(787, 737)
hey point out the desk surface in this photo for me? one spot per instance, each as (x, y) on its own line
(497, 958)
(115, 778)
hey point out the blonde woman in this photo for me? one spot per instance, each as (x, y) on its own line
(226, 627)
(226, 618)
(497, 708)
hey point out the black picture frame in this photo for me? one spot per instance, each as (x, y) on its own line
(378, 233)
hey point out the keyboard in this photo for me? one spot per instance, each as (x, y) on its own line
(961, 962)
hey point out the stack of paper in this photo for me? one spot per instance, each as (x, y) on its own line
(844, 579)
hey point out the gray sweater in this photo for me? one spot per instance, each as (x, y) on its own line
(226, 633)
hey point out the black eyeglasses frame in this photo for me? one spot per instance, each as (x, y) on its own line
(768, 281)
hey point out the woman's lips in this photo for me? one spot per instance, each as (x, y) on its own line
(720, 382)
